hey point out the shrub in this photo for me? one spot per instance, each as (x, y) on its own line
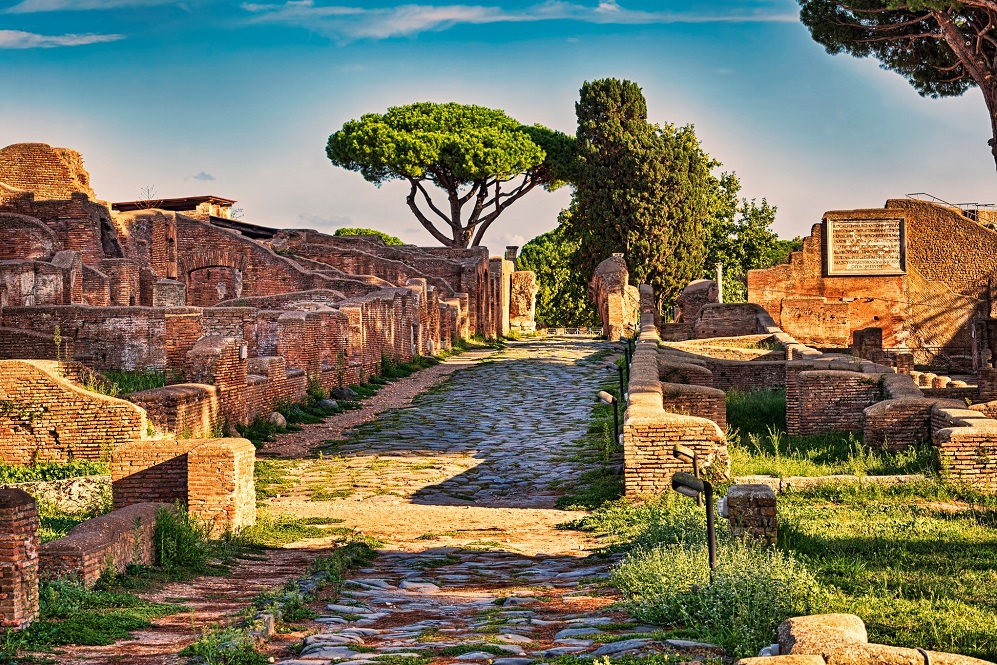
(181, 541)
(739, 607)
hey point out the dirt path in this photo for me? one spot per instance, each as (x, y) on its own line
(211, 600)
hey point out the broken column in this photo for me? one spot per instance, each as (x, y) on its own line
(18, 560)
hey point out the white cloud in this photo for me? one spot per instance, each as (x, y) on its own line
(16, 39)
(351, 23)
(202, 176)
(33, 6)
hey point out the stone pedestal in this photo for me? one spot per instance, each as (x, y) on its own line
(751, 511)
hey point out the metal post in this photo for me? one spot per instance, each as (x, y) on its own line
(711, 529)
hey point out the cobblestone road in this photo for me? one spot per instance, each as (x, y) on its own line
(461, 486)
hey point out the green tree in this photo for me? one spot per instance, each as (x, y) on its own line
(354, 231)
(738, 234)
(481, 158)
(640, 189)
(561, 297)
(942, 47)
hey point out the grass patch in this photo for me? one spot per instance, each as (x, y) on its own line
(45, 471)
(279, 530)
(600, 448)
(124, 382)
(759, 445)
(272, 478)
(72, 614)
(461, 649)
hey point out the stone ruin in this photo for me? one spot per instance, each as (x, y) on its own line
(921, 272)
(616, 300)
(238, 316)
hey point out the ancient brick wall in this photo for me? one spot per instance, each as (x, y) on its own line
(220, 486)
(747, 376)
(699, 401)
(44, 417)
(18, 559)
(500, 276)
(30, 283)
(720, 320)
(223, 363)
(650, 432)
(214, 477)
(834, 401)
(24, 238)
(933, 304)
(50, 173)
(672, 370)
(28, 345)
(694, 297)
(131, 338)
(109, 542)
(523, 301)
(186, 410)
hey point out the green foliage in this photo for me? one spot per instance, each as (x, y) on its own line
(279, 530)
(601, 449)
(353, 231)
(225, 646)
(72, 614)
(759, 445)
(751, 591)
(133, 382)
(942, 48)
(640, 189)
(475, 154)
(561, 296)
(917, 566)
(44, 471)
(739, 235)
(181, 542)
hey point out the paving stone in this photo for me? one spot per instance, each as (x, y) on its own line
(574, 632)
(512, 661)
(619, 647)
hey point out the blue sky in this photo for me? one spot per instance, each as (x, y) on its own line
(238, 98)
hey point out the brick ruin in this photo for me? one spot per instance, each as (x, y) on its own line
(239, 317)
(617, 301)
(681, 372)
(921, 272)
(248, 315)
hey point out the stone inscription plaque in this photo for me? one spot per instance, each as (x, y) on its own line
(866, 247)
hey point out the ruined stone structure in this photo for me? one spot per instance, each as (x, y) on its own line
(920, 272)
(18, 559)
(751, 512)
(616, 300)
(249, 315)
(523, 301)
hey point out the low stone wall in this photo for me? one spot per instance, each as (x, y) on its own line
(967, 445)
(109, 542)
(187, 410)
(44, 417)
(903, 419)
(676, 371)
(650, 432)
(698, 401)
(18, 559)
(214, 477)
(841, 639)
(834, 401)
(748, 376)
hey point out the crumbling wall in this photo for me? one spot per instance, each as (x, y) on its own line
(214, 477)
(109, 542)
(617, 302)
(523, 301)
(650, 432)
(44, 417)
(50, 173)
(18, 559)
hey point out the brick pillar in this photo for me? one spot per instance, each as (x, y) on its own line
(751, 512)
(18, 560)
(987, 377)
(793, 397)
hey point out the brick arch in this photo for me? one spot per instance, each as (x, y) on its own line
(210, 258)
